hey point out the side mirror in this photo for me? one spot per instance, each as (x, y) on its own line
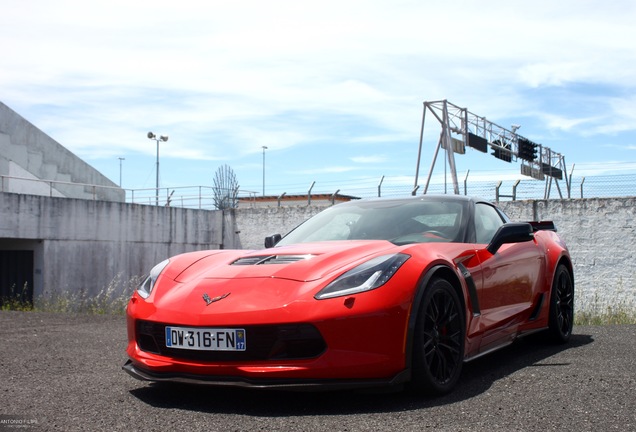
(270, 241)
(510, 233)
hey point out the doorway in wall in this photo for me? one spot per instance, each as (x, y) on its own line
(16, 276)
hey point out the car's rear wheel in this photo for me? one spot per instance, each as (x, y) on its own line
(438, 349)
(561, 319)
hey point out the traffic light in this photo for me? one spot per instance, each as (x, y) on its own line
(504, 153)
(527, 150)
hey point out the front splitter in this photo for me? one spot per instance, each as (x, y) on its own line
(272, 384)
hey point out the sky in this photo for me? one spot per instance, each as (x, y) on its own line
(333, 89)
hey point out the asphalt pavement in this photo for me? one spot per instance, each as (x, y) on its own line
(63, 372)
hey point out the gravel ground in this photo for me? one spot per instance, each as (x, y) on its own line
(63, 372)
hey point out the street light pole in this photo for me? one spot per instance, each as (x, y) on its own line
(264, 148)
(163, 138)
(120, 161)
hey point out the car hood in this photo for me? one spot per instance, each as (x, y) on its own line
(302, 262)
(255, 287)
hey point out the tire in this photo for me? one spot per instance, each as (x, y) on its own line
(561, 320)
(438, 347)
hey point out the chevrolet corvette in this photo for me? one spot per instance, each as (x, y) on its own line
(368, 293)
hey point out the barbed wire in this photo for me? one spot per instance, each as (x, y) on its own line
(202, 197)
(621, 185)
(600, 186)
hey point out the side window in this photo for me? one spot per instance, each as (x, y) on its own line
(487, 221)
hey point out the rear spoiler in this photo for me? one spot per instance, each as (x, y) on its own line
(543, 225)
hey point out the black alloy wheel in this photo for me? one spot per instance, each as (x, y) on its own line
(561, 319)
(438, 348)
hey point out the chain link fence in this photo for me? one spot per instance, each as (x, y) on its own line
(621, 185)
(203, 197)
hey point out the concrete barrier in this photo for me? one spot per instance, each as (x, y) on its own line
(83, 245)
(600, 233)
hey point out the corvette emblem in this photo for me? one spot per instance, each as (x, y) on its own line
(209, 300)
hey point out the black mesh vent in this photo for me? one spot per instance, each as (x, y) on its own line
(290, 341)
(255, 260)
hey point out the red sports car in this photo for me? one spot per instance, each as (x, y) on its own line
(366, 293)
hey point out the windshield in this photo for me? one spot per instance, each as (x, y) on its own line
(400, 222)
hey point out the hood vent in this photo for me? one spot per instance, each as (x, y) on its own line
(271, 259)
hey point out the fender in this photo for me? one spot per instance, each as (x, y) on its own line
(421, 287)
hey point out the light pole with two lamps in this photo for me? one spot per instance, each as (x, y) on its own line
(163, 138)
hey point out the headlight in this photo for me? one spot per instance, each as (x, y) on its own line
(148, 284)
(365, 277)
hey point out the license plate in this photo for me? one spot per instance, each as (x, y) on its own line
(205, 339)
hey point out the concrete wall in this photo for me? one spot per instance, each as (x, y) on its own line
(83, 245)
(254, 224)
(28, 153)
(601, 236)
(600, 233)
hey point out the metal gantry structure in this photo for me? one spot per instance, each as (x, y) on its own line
(460, 129)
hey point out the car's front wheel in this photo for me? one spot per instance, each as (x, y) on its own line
(438, 349)
(561, 319)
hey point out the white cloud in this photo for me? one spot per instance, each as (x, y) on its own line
(324, 170)
(368, 159)
(225, 78)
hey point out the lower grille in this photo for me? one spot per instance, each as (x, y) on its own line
(268, 342)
